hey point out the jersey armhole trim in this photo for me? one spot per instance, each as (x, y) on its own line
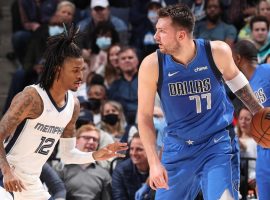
(160, 72)
(211, 61)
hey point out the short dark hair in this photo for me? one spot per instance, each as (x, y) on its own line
(246, 49)
(180, 14)
(258, 18)
(59, 47)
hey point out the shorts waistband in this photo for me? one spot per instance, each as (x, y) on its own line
(193, 141)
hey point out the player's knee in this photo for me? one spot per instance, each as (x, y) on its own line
(226, 195)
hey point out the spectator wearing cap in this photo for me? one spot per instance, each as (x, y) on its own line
(100, 12)
(87, 181)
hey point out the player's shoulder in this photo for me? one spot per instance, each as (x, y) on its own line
(220, 46)
(150, 61)
(29, 93)
(220, 50)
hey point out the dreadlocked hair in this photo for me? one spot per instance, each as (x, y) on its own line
(59, 47)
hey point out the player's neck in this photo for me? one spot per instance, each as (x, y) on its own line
(58, 94)
(185, 53)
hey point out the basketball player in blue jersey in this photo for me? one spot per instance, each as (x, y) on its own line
(245, 57)
(41, 115)
(188, 74)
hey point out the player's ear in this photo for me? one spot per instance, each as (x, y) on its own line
(181, 35)
(237, 59)
(58, 70)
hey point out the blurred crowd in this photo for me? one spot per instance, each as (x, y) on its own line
(115, 35)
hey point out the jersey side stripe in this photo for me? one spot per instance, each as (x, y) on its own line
(15, 136)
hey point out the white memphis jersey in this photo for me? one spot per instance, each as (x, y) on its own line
(34, 139)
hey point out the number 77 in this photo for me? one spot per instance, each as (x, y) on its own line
(198, 98)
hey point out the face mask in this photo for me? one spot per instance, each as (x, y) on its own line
(152, 16)
(94, 104)
(103, 42)
(55, 30)
(111, 119)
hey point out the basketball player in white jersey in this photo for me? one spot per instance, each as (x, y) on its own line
(41, 115)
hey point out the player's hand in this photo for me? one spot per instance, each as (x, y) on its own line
(158, 177)
(110, 151)
(12, 183)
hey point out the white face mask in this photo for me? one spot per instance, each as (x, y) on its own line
(152, 16)
(103, 42)
(55, 30)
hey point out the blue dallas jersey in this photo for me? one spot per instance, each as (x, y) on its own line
(260, 84)
(193, 97)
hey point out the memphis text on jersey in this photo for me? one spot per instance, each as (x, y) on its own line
(49, 129)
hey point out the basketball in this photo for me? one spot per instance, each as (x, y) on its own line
(260, 127)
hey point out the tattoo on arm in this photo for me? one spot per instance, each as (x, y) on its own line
(247, 96)
(20, 109)
(70, 129)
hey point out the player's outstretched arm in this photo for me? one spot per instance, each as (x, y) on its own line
(235, 79)
(71, 155)
(26, 104)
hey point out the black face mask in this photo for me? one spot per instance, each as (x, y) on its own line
(94, 104)
(111, 119)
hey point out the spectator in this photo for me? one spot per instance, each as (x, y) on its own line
(213, 27)
(113, 119)
(147, 42)
(112, 71)
(100, 12)
(64, 14)
(259, 27)
(96, 95)
(32, 15)
(103, 37)
(198, 9)
(240, 10)
(88, 181)
(263, 9)
(248, 147)
(130, 174)
(125, 89)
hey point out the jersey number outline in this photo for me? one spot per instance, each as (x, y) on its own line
(198, 101)
(45, 144)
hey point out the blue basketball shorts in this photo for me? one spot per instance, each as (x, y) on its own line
(235, 162)
(201, 164)
(263, 173)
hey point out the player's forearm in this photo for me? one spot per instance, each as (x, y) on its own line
(246, 95)
(4, 166)
(148, 137)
